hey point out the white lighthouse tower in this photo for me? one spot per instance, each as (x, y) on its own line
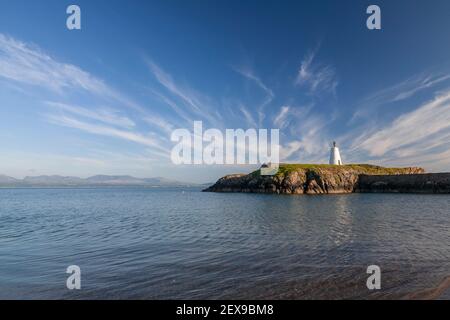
(335, 156)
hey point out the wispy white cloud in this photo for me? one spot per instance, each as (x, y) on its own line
(411, 128)
(24, 64)
(291, 117)
(179, 111)
(406, 89)
(66, 121)
(166, 80)
(434, 161)
(190, 98)
(248, 117)
(27, 64)
(310, 136)
(103, 115)
(269, 95)
(316, 77)
(419, 85)
(160, 123)
(247, 73)
(280, 120)
(421, 136)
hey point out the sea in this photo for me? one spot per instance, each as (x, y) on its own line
(181, 243)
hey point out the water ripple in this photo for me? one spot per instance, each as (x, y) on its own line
(164, 244)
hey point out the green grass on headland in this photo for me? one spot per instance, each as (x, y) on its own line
(369, 169)
(287, 168)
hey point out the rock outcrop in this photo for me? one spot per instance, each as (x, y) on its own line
(414, 183)
(330, 179)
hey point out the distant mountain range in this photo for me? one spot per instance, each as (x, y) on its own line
(99, 180)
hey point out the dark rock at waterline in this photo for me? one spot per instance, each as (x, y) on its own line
(414, 183)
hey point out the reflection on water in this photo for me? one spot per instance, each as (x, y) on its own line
(184, 244)
(341, 230)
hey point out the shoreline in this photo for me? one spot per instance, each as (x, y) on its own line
(333, 179)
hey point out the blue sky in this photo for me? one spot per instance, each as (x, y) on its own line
(104, 99)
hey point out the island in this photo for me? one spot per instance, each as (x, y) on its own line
(335, 179)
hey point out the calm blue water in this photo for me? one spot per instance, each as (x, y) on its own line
(184, 244)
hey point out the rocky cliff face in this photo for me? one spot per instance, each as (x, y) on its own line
(306, 179)
(414, 183)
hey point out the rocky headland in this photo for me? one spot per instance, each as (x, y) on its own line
(333, 179)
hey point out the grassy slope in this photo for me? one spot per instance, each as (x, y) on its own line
(363, 168)
(286, 168)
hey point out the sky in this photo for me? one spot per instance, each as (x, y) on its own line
(105, 99)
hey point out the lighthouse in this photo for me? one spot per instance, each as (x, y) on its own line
(335, 156)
